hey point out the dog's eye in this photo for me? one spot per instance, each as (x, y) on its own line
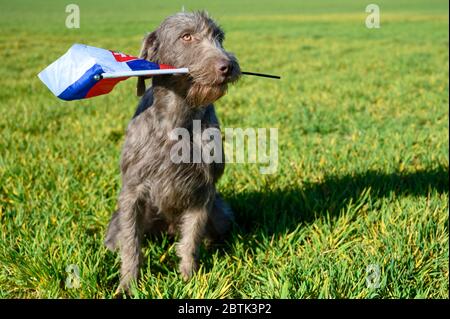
(187, 37)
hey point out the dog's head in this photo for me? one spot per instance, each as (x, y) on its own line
(194, 41)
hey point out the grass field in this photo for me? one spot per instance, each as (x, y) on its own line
(363, 153)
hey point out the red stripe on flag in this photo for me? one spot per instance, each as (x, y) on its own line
(104, 86)
(166, 66)
(122, 57)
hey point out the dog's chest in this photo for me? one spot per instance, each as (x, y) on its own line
(177, 174)
(185, 178)
(173, 164)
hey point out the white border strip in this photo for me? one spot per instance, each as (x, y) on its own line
(112, 75)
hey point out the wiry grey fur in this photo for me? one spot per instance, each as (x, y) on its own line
(157, 194)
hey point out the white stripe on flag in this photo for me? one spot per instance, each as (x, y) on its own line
(69, 68)
(66, 70)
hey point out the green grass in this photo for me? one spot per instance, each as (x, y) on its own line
(363, 148)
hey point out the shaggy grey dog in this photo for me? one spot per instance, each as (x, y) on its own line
(158, 194)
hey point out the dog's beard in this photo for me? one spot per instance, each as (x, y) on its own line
(202, 95)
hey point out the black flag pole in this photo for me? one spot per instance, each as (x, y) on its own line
(262, 75)
(166, 71)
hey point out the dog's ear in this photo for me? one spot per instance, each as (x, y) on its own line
(149, 47)
(149, 51)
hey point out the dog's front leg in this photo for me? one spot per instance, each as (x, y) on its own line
(193, 226)
(130, 236)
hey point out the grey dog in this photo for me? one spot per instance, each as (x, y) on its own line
(158, 194)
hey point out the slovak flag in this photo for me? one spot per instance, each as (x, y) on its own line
(85, 71)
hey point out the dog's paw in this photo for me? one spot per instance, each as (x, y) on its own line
(111, 244)
(119, 294)
(112, 234)
(188, 269)
(125, 290)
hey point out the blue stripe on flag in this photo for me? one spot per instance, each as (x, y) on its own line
(80, 88)
(140, 64)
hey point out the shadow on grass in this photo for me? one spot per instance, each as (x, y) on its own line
(274, 212)
(282, 210)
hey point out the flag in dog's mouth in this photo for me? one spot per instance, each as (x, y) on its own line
(85, 71)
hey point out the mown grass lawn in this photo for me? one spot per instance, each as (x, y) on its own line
(363, 168)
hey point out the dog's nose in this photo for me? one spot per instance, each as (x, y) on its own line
(225, 67)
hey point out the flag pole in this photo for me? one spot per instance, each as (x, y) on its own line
(262, 75)
(112, 75)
